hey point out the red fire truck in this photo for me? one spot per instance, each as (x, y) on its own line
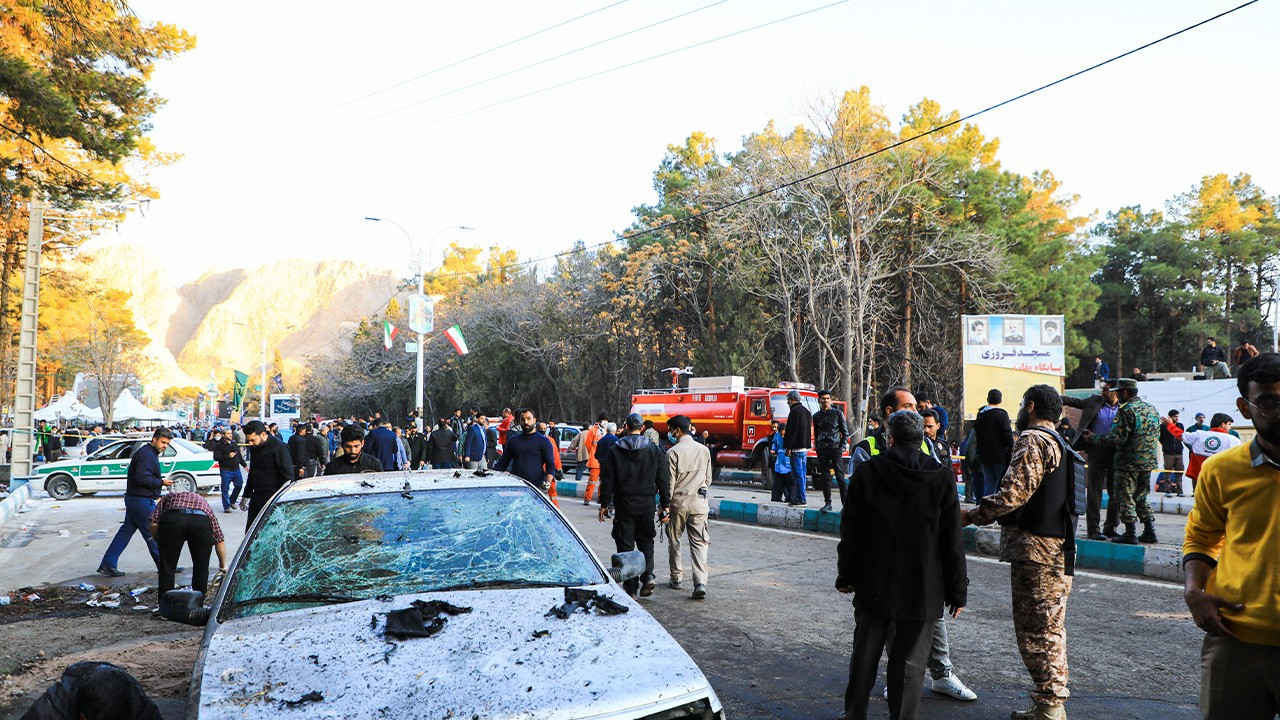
(737, 416)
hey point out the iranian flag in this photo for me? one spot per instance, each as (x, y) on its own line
(455, 336)
(388, 334)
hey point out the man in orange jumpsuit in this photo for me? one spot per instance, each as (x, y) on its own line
(594, 433)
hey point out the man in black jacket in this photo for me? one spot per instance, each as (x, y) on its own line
(830, 434)
(93, 689)
(352, 459)
(632, 473)
(302, 452)
(1213, 360)
(797, 439)
(901, 553)
(994, 434)
(230, 459)
(1097, 412)
(142, 489)
(440, 446)
(270, 469)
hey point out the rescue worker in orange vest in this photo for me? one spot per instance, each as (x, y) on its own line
(543, 430)
(594, 433)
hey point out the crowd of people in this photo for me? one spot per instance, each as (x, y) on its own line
(901, 552)
(1214, 362)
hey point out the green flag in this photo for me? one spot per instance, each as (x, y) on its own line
(237, 392)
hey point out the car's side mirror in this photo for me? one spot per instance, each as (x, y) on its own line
(184, 606)
(627, 566)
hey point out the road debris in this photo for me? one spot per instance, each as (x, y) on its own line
(311, 697)
(579, 599)
(412, 621)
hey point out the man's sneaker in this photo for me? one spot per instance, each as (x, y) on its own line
(109, 571)
(1129, 538)
(1110, 533)
(1095, 535)
(647, 587)
(825, 508)
(674, 584)
(951, 686)
(699, 591)
(586, 502)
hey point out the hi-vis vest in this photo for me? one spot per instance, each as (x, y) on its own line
(874, 451)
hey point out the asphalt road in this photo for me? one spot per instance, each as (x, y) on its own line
(773, 635)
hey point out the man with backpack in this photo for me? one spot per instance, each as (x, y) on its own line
(1036, 504)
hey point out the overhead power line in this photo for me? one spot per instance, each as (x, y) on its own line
(791, 183)
(492, 78)
(413, 79)
(806, 178)
(556, 86)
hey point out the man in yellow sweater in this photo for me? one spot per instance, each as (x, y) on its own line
(1232, 561)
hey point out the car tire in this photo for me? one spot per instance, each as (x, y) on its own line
(60, 487)
(182, 483)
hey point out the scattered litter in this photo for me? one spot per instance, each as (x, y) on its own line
(366, 483)
(64, 533)
(102, 531)
(88, 587)
(457, 473)
(481, 472)
(111, 601)
(5, 599)
(406, 496)
(310, 697)
(31, 598)
(54, 507)
(139, 592)
(541, 633)
(579, 599)
(413, 621)
(141, 607)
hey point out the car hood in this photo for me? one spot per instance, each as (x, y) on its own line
(493, 662)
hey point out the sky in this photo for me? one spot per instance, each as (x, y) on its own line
(296, 120)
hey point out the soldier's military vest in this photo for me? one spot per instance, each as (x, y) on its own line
(1054, 508)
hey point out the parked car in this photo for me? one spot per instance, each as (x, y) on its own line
(563, 435)
(301, 618)
(190, 466)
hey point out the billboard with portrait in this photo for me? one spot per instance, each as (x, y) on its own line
(1010, 353)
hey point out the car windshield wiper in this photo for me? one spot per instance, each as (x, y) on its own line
(507, 582)
(299, 597)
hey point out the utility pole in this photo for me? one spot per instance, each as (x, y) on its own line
(262, 402)
(24, 395)
(421, 340)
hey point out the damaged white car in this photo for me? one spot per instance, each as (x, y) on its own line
(430, 595)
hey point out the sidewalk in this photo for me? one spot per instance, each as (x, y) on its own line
(752, 505)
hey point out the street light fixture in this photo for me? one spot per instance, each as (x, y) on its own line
(419, 273)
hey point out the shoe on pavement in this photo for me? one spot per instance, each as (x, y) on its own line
(586, 502)
(1148, 535)
(1040, 712)
(1128, 538)
(1110, 533)
(951, 686)
(797, 504)
(109, 571)
(674, 585)
(1095, 535)
(825, 508)
(699, 591)
(647, 587)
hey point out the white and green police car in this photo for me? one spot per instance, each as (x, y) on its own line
(189, 466)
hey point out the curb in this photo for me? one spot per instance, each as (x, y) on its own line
(12, 504)
(1163, 563)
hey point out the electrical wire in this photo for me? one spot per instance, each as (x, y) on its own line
(413, 79)
(791, 183)
(487, 80)
(556, 86)
(27, 139)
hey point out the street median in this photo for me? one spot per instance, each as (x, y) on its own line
(1164, 563)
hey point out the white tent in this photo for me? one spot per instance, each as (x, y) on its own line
(129, 408)
(67, 408)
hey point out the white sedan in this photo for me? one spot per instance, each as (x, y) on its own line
(300, 626)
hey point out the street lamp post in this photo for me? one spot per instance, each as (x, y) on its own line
(420, 274)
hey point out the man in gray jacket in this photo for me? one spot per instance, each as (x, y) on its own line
(689, 463)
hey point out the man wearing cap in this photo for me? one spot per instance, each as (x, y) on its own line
(797, 439)
(1199, 426)
(630, 476)
(689, 463)
(1134, 434)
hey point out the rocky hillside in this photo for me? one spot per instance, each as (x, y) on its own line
(218, 322)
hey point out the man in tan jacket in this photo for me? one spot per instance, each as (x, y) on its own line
(690, 464)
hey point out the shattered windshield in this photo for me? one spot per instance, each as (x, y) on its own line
(369, 545)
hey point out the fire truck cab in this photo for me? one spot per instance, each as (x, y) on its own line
(736, 416)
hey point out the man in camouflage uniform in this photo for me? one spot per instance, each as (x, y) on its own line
(1039, 576)
(1135, 435)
